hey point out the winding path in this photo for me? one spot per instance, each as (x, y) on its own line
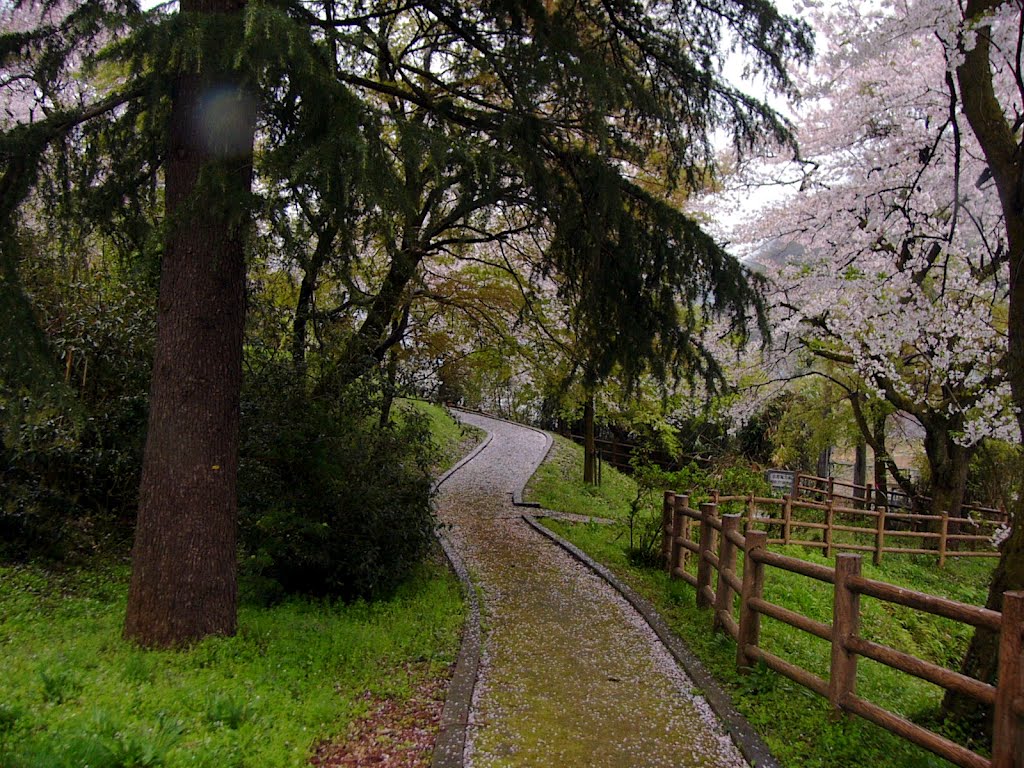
(571, 675)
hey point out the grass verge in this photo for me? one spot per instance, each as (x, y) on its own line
(73, 693)
(454, 439)
(793, 721)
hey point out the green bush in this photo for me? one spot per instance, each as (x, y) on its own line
(70, 454)
(331, 503)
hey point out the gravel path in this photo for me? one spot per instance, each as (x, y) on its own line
(571, 674)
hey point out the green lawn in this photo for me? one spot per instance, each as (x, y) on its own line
(794, 721)
(74, 694)
(454, 439)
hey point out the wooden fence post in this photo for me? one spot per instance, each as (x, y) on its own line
(753, 587)
(787, 518)
(1008, 724)
(750, 511)
(831, 487)
(667, 507)
(879, 535)
(829, 522)
(707, 544)
(943, 541)
(845, 624)
(726, 562)
(677, 555)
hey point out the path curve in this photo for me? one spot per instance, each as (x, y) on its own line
(571, 674)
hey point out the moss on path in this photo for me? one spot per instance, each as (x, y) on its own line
(571, 675)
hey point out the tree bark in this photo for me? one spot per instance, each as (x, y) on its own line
(999, 144)
(367, 347)
(183, 584)
(307, 292)
(948, 464)
(589, 442)
(860, 468)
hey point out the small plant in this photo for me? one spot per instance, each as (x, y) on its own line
(59, 684)
(138, 668)
(225, 710)
(10, 714)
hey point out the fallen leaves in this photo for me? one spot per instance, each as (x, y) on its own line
(395, 734)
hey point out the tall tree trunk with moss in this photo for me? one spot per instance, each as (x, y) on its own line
(589, 442)
(997, 137)
(183, 584)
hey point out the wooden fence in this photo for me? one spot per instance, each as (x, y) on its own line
(878, 531)
(825, 489)
(719, 543)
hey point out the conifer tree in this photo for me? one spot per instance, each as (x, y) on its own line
(560, 104)
(183, 584)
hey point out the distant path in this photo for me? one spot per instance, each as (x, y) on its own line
(571, 674)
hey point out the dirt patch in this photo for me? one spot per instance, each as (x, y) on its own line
(395, 734)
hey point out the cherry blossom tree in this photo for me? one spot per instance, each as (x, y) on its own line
(904, 232)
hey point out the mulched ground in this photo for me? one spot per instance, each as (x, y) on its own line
(395, 734)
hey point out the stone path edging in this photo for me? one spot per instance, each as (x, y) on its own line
(749, 743)
(450, 746)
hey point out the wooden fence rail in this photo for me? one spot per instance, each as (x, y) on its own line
(717, 549)
(885, 529)
(825, 489)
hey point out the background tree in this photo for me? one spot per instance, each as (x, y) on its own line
(909, 214)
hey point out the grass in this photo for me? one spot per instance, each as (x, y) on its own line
(794, 721)
(454, 439)
(558, 485)
(73, 693)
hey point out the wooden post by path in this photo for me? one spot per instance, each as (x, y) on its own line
(753, 587)
(943, 539)
(667, 507)
(787, 518)
(879, 535)
(681, 531)
(845, 624)
(1008, 725)
(707, 545)
(829, 522)
(726, 562)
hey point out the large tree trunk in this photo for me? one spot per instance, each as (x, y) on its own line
(183, 584)
(999, 144)
(948, 463)
(860, 469)
(589, 442)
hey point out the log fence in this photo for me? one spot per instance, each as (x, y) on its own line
(721, 542)
(824, 489)
(878, 531)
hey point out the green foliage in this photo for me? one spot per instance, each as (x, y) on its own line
(69, 460)
(816, 417)
(295, 673)
(452, 438)
(996, 474)
(331, 504)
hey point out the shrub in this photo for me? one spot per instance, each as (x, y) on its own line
(70, 455)
(332, 504)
